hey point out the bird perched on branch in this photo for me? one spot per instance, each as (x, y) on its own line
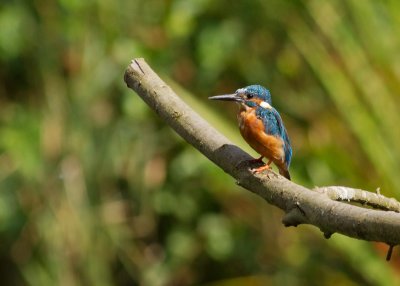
(261, 126)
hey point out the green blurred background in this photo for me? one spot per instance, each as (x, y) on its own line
(96, 190)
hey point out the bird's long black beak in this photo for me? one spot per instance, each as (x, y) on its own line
(227, 97)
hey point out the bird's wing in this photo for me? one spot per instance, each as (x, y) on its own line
(274, 126)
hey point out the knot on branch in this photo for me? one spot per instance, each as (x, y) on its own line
(294, 217)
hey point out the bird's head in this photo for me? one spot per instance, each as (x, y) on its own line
(249, 96)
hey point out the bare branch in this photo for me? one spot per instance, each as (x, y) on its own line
(301, 205)
(374, 200)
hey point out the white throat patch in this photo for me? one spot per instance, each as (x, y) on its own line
(265, 104)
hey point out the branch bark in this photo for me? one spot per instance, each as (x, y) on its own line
(319, 207)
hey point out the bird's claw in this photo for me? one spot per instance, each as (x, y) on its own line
(260, 169)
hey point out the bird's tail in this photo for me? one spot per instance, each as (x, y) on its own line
(285, 173)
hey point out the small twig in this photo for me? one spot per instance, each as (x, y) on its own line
(374, 200)
(389, 253)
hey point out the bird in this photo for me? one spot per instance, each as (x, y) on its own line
(261, 126)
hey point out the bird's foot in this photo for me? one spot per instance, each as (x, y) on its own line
(260, 169)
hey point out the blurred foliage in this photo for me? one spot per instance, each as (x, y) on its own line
(96, 190)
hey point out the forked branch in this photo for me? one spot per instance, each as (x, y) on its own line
(320, 207)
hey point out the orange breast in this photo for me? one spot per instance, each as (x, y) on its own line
(252, 130)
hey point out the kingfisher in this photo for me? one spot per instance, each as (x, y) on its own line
(261, 126)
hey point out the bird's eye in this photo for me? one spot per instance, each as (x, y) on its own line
(249, 95)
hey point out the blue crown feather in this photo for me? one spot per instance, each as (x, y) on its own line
(259, 91)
